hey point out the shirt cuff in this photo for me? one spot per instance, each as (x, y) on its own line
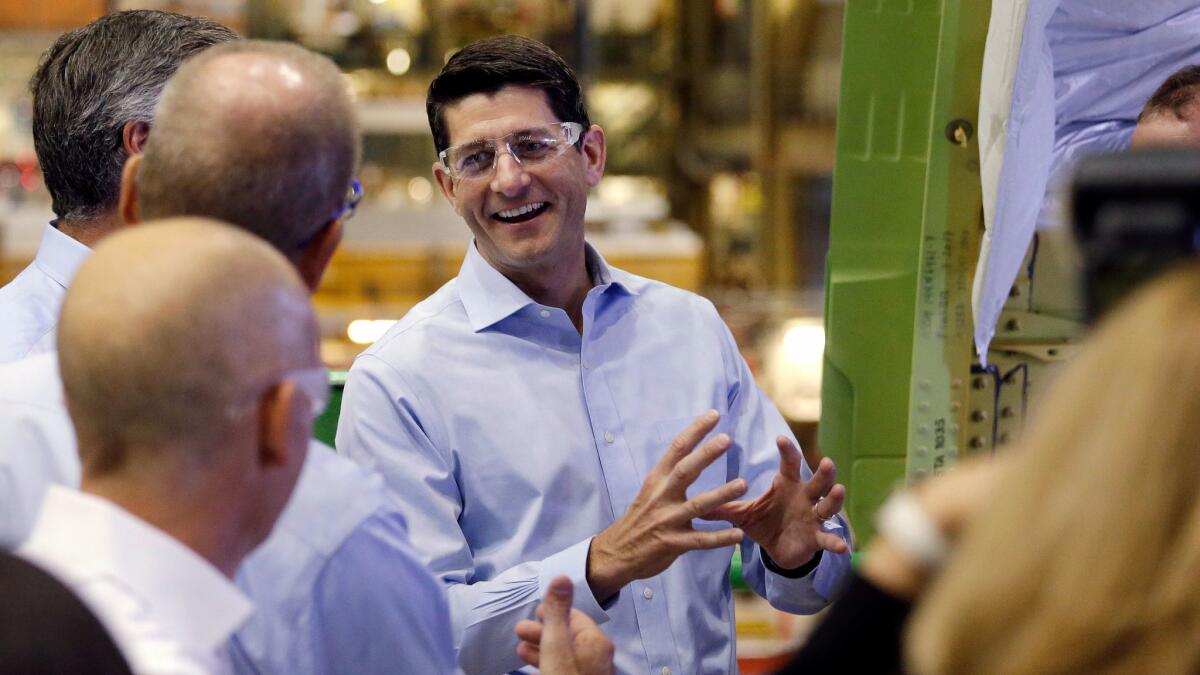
(809, 593)
(800, 572)
(572, 562)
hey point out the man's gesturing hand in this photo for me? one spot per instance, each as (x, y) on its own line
(566, 642)
(787, 520)
(657, 528)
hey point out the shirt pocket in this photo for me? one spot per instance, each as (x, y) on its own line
(714, 475)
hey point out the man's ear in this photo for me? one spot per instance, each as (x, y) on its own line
(595, 154)
(314, 258)
(133, 137)
(445, 182)
(283, 426)
(127, 206)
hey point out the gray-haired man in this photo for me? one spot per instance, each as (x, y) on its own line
(94, 95)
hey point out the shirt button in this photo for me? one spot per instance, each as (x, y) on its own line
(647, 593)
(608, 436)
(545, 314)
(666, 670)
(586, 364)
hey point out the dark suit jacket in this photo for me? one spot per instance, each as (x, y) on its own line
(46, 630)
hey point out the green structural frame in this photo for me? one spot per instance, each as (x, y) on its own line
(904, 239)
(325, 426)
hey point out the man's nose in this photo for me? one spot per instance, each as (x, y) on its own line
(510, 177)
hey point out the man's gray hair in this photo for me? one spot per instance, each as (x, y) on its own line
(254, 133)
(90, 83)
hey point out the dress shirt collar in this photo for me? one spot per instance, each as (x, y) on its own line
(60, 256)
(489, 296)
(189, 598)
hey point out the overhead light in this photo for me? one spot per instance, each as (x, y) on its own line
(792, 364)
(420, 190)
(367, 331)
(399, 61)
(804, 343)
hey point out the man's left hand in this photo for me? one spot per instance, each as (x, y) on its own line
(787, 521)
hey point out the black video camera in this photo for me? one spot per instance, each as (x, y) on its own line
(1135, 215)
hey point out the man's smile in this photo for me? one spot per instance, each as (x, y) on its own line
(522, 213)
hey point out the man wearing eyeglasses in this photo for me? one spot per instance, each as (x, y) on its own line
(262, 136)
(521, 413)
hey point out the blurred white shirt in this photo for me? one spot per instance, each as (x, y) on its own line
(29, 304)
(169, 610)
(37, 443)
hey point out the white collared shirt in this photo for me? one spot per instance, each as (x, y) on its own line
(168, 609)
(334, 583)
(37, 443)
(29, 304)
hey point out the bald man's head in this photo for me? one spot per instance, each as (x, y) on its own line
(166, 331)
(258, 134)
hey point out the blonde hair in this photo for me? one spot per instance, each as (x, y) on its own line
(1087, 559)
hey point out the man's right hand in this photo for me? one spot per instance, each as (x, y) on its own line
(657, 527)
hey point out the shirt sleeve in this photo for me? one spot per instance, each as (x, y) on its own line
(380, 425)
(757, 423)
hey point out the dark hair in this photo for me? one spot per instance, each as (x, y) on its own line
(489, 65)
(90, 83)
(1175, 94)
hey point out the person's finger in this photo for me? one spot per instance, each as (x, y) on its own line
(529, 631)
(687, 439)
(557, 655)
(732, 512)
(688, 469)
(594, 651)
(580, 622)
(699, 540)
(790, 459)
(529, 654)
(832, 542)
(832, 503)
(703, 503)
(822, 481)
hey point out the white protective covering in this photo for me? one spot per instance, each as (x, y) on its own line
(1061, 79)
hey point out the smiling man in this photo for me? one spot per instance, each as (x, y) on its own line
(521, 413)
(531, 231)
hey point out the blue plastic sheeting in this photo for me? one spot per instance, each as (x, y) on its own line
(1085, 69)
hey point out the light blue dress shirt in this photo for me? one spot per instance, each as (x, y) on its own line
(29, 304)
(336, 587)
(512, 440)
(1081, 74)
